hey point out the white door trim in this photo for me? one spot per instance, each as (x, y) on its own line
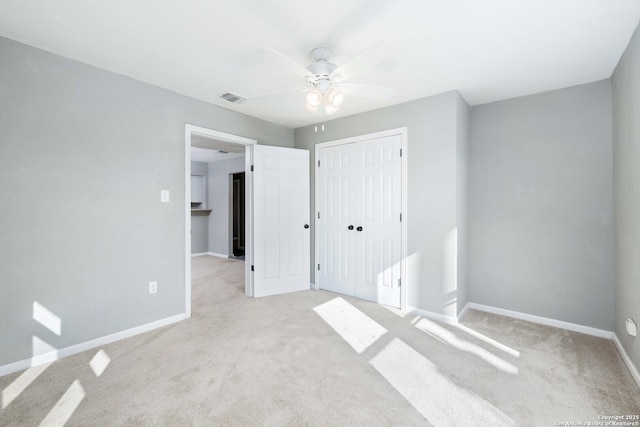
(391, 132)
(226, 137)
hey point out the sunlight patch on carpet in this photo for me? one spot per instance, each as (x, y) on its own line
(491, 341)
(20, 384)
(440, 400)
(66, 406)
(437, 331)
(99, 362)
(355, 327)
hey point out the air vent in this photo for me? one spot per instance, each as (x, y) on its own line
(232, 97)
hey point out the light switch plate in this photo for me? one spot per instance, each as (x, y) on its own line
(164, 196)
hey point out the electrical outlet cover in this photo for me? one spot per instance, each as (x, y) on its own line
(153, 287)
(632, 328)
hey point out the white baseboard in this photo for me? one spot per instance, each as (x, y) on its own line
(542, 320)
(218, 255)
(210, 254)
(463, 311)
(88, 345)
(431, 315)
(626, 359)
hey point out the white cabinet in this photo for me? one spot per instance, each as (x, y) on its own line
(197, 190)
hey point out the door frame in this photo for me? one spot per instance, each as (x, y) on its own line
(403, 133)
(190, 130)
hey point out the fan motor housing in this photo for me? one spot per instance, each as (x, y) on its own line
(322, 69)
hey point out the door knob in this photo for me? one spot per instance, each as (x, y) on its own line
(350, 227)
(306, 226)
(359, 228)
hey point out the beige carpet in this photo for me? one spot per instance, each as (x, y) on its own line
(317, 358)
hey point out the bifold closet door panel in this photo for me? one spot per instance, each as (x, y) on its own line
(337, 212)
(379, 204)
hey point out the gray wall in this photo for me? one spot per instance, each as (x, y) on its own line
(218, 195)
(540, 205)
(462, 205)
(434, 126)
(85, 234)
(200, 220)
(626, 184)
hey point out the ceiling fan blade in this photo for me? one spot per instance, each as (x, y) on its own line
(366, 91)
(363, 61)
(289, 63)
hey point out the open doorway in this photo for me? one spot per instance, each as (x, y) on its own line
(210, 157)
(212, 203)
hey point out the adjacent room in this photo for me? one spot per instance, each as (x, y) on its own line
(343, 213)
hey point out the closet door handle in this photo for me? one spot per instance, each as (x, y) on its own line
(306, 226)
(359, 228)
(350, 227)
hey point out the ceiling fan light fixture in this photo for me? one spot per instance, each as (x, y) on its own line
(314, 98)
(335, 98)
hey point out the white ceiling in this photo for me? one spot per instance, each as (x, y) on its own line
(206, 155)
(209, 150)
(489, 50)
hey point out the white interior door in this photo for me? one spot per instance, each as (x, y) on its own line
(360, 229)
(281, 220)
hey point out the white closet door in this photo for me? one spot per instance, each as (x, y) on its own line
(360, 227)
(379, 232)
(337, 210)
(281, 218)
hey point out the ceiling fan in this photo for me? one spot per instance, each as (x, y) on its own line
(326, 84)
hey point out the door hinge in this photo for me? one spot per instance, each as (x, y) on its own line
(318, 267)
(318, 215)
(399, 282)
(400, 217)
(318, 163)
(251, 168)
(401, 152)
(252, 268)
